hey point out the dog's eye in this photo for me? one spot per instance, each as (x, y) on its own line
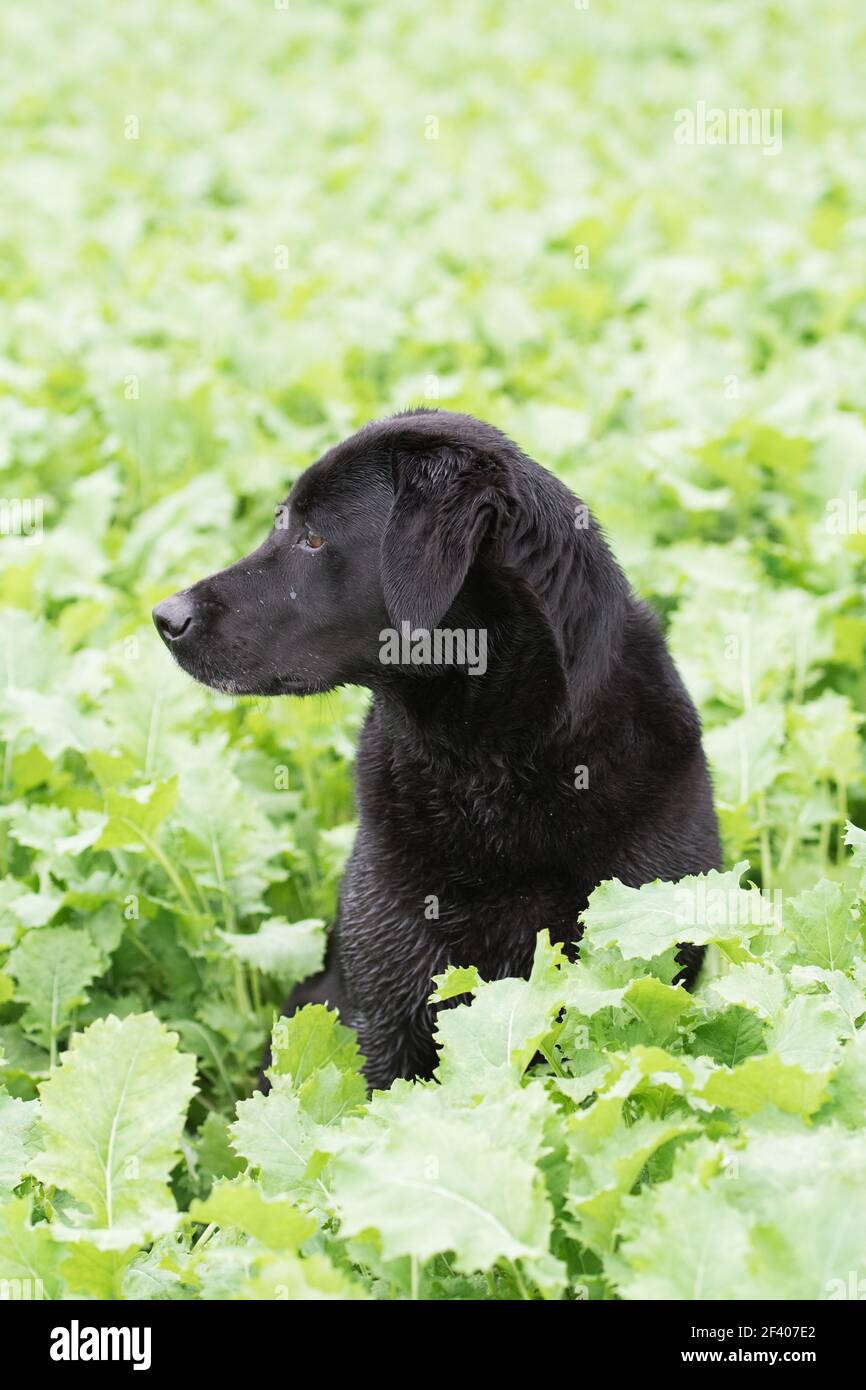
(310, 541)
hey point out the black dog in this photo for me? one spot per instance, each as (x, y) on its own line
(495, 791)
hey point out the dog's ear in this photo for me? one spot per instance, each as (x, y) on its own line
(446, 503)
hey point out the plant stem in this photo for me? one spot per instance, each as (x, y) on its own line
(766, 856)
(550, 1058)
(521, 1287)
(842, 803)
(165, 862)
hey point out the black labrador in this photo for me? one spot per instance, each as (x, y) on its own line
(529, 735)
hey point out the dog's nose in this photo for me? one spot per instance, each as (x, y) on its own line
(173, 617)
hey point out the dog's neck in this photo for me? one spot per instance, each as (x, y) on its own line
(450, 711)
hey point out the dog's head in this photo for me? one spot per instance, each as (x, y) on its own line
(415, 522)
(381, 531)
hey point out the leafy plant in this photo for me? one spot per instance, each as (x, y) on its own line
(214, 268)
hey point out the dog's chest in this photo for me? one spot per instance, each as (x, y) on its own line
(463, 867)
(482, 836)
(403, 925)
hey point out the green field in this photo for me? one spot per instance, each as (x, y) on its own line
(231, 233)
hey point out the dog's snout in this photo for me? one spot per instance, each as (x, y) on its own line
(174, 617)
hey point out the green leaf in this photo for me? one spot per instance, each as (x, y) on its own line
(754, 986)
(808, 1228)
(745, 753)
(19, 1139)
(278, 1138)
(681, 1244)
(848, 998)
(855, 838)
(228, 844)
(658, 1006)
(28, 1254)
(284, 1277)
(53, 969)
(149, 1276)
(288, 951)
(320, 1062)
(444, 1177)
(93, 1272)
(808, 1032)
(134, 818)
(847, 1101)
(456, 980)
(825, 737)
(317, 1080)
(607, 1166)
(645, 922)
(767, 1081)
(499, 1033)
(213, 1147)
(821, 927)
(593, 984)
(311, 1039)
(112, 1116)
(731, 1037)
(274, 1222)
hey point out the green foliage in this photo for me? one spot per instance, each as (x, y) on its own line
(111, 1119)
(215, 265)
(573, 1142)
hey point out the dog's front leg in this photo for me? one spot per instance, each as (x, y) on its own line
(395, 1046)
